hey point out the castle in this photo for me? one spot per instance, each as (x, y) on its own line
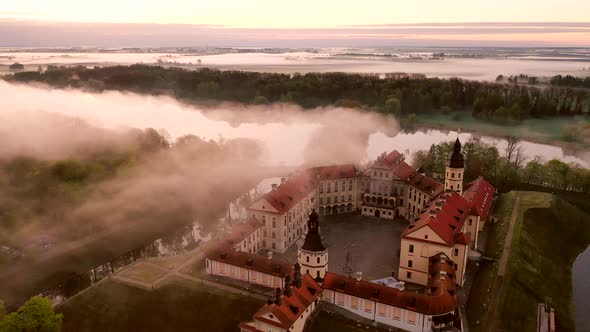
(445, 220)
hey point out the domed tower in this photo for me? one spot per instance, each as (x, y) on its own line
(313, 254)
(455, 170)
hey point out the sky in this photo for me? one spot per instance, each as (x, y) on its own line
(328, 18)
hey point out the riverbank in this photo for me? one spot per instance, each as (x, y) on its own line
(550, 131)
(548, 234)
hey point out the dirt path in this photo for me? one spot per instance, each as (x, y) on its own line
(509, 236)
(503, 263)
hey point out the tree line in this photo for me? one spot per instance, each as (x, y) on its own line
(396, 93)
(508, 169)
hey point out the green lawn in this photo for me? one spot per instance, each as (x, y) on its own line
(546, 242)
(479, 299)
(178, 306)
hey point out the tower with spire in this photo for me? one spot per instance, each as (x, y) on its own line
(313, 254)
(455, 170)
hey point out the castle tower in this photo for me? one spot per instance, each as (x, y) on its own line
(313, 254)
(455, 170)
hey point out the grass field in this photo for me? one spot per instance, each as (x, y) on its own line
(546, 245)
(178, 306)
(549, 234)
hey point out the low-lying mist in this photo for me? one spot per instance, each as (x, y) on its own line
(288, 134)
(81, 170)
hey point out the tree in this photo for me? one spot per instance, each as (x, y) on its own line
(35, 315)
(2, 310)
(393, 106)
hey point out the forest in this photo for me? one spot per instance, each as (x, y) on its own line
(511, 169)
(404, 95)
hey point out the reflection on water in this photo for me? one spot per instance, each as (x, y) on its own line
(581, 288)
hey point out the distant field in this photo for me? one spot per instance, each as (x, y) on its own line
(178, 306)
(547, 240)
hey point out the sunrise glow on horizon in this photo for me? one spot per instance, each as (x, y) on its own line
(300, 14)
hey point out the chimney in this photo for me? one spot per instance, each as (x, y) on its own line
(274, 186)
(269, 254)
(287, 290)
(297, 275)
(359, 276)
(278, 296)
(402, 285)
(283, 180)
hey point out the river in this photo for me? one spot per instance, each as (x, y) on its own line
(581, 288)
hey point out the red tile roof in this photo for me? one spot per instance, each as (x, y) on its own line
(392, 158)
(480, 193)
(255, 262)
(288, 194)
(441, 300)
(404, 171)
(445, 215)
(462, 238)
(241, 231)
(336, 172)
(293, 306)
(425, 184)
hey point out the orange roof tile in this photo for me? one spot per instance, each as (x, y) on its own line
(441, 300)
(445, 215)
(293, 306)
(480, 193)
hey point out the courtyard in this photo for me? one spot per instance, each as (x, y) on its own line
(373, 244)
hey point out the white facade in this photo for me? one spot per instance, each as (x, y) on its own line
(223, 269)
(382, 313)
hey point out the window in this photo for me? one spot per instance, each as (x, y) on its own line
(411, 317)
(232, 270)
(340, 299)
(410, 263)
(350, 197)
(318, 260)
(459, 175)
(321, 200)
(274, 246)
(327, 200)
(409, 275)
(411, 248)
(456, 252)
(274, 223)
(382, 309)
(470, 222)
(354, 302)
(336, 199)
(452, 175)
(368, 304)
(264, 220)
(274, 235)
(426, 236)
(307, 257)
(451, 187)
(396, 313)
(336, 186)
